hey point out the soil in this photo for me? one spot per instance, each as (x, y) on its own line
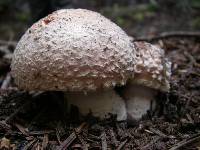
(36, 120)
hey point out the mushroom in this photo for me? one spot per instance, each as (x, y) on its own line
(79, 52)
(152, 73)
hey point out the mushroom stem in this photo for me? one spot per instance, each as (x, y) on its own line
(99, 103)
(139, 99)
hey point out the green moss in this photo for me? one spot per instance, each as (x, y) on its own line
(22, 16)
(120, 21)
(152, 7)
(139, 17)
(122, 15)
(195, 3)
(196, 23)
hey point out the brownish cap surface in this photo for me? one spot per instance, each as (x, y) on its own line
(152, 69)
(74, 50)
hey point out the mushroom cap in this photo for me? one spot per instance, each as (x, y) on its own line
(152, 68)
(73, 50)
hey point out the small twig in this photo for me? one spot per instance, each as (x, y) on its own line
(83, 142)
(113, 138)
(37, 146)
(29, 144)
(77, 146)
(45, 141)
(94, 137)
(148, 131)
(166, 35)
(186, 142)
(150, 143)
(22, 129)
(58, 136)
(65, 144)
(158, 132)
(24, 132)
(103, 141)
(6, 82)
(122, 145)
(37, 133)
(35, 94)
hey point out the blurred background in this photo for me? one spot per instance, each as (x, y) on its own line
(136, 17)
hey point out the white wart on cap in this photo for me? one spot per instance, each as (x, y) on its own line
(73, 50)
(152, 73)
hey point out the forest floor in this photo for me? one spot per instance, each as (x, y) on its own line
(33, 120)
